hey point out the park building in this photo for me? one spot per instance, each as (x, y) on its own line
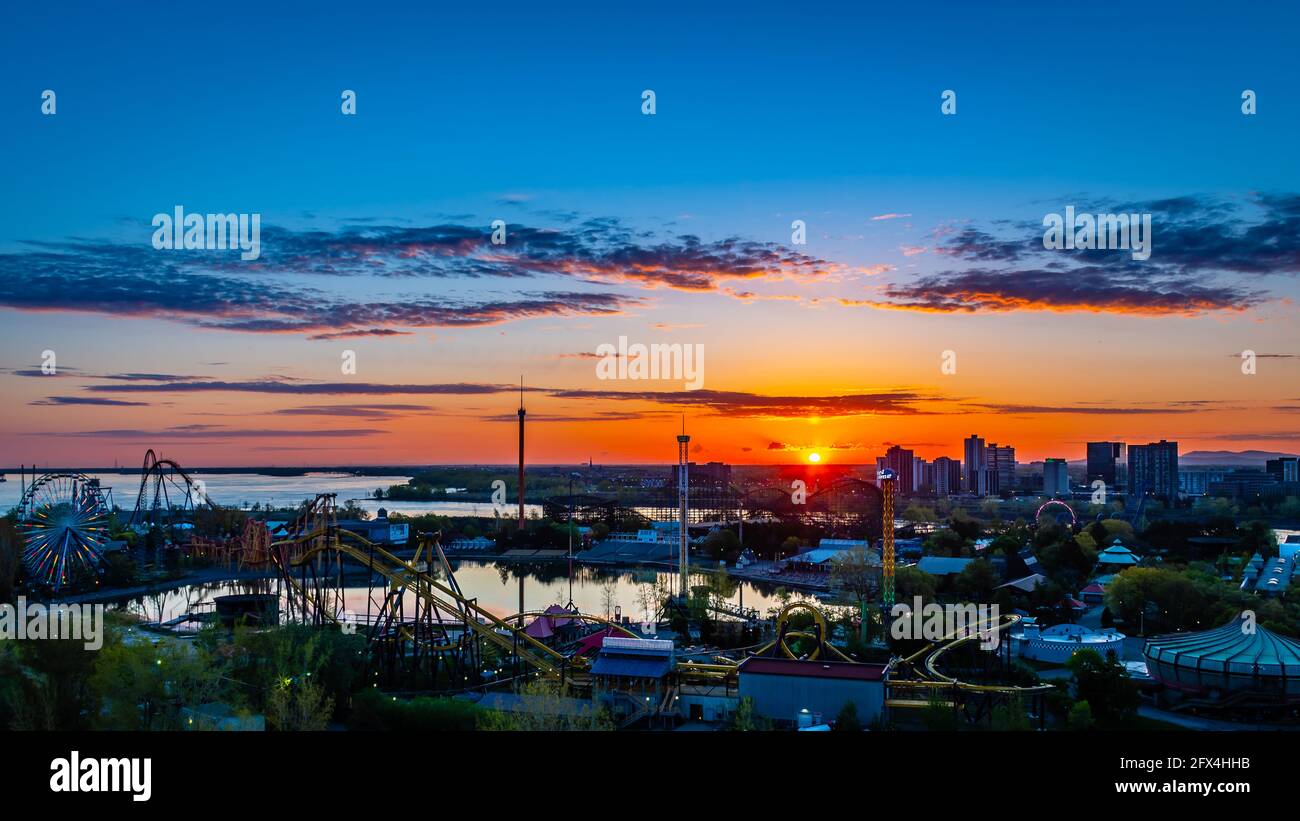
(792, 692)
(1241, 666)
(1267, 577)
(378, 530)
(1056, 645)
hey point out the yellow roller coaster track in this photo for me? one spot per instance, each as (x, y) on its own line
(929, 657)
(411, 575)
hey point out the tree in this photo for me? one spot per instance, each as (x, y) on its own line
(790, 546)
(918, 513)
(745, 719)
(722, 544)
(10, 558)
(938, 714)
(546, 706)
(1105, 683)
(1010, 716)
(847, 721)
(299, 705)
(976, 581)
(853, 572)
(609, 595)
(1080, 716)
(910, 582)
(143, 687)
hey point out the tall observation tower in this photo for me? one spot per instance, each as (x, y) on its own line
(683, 508)
(887, 482)
(521, 453)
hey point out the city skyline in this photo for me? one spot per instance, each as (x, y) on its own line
(923, 237)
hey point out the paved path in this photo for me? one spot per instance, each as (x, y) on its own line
(1206, 724)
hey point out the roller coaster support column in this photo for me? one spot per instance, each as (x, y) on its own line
(888, 484)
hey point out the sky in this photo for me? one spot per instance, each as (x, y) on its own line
(923, 243)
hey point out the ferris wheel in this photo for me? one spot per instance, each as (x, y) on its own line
(63, 519)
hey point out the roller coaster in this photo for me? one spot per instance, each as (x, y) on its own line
(917, 681)
(169, 498)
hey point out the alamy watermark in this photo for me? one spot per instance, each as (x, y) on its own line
(36, 622)
(945, 622)
(179, 231)
(1115, 232)
(676, 361)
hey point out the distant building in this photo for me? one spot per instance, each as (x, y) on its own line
(1243, 484)
(902, 462)
(1267, 577)
(947, 476)
(1196, 482)
(1107, 462)
(1116, 557)
(975, 479)
(1001, 461)
(631, 676)
(378, 530)
(1153, 470)
(922, 475)
(1285, 469)
(1056, 479)
(942, 565)
(790, 692)
(1056, 645)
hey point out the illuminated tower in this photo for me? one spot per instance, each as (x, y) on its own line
(683, 506)
(521, 453)
(887, 481)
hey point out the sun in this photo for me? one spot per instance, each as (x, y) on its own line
(814, 457)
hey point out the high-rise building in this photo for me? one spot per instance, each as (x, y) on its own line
(947, 476)
(1056, 479)
(901, 461)
(1107, 461)
(1284, 469)
(923, 475)
(1001, 460)
(975, 479)
(1153, 470)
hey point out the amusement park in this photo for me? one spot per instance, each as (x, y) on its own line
(321, 614)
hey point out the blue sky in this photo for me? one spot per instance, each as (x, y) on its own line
(765, 113)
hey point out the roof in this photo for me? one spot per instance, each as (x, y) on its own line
(1230, 648)
(1026, 583)
(821, 555)
(593, 641)
(631, 666)
(1093, 588)
(1115, 554)
(942, 565)
(812, 669)
(544, 626)
(635, 658)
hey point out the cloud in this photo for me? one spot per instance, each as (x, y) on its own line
(1199, 244)
(210, 290)
(86, 400)
(205, 432)
(275, 386)
(1099, 410)
(1084, 289)
(377, 412)
(880, 217)
(739, 403)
